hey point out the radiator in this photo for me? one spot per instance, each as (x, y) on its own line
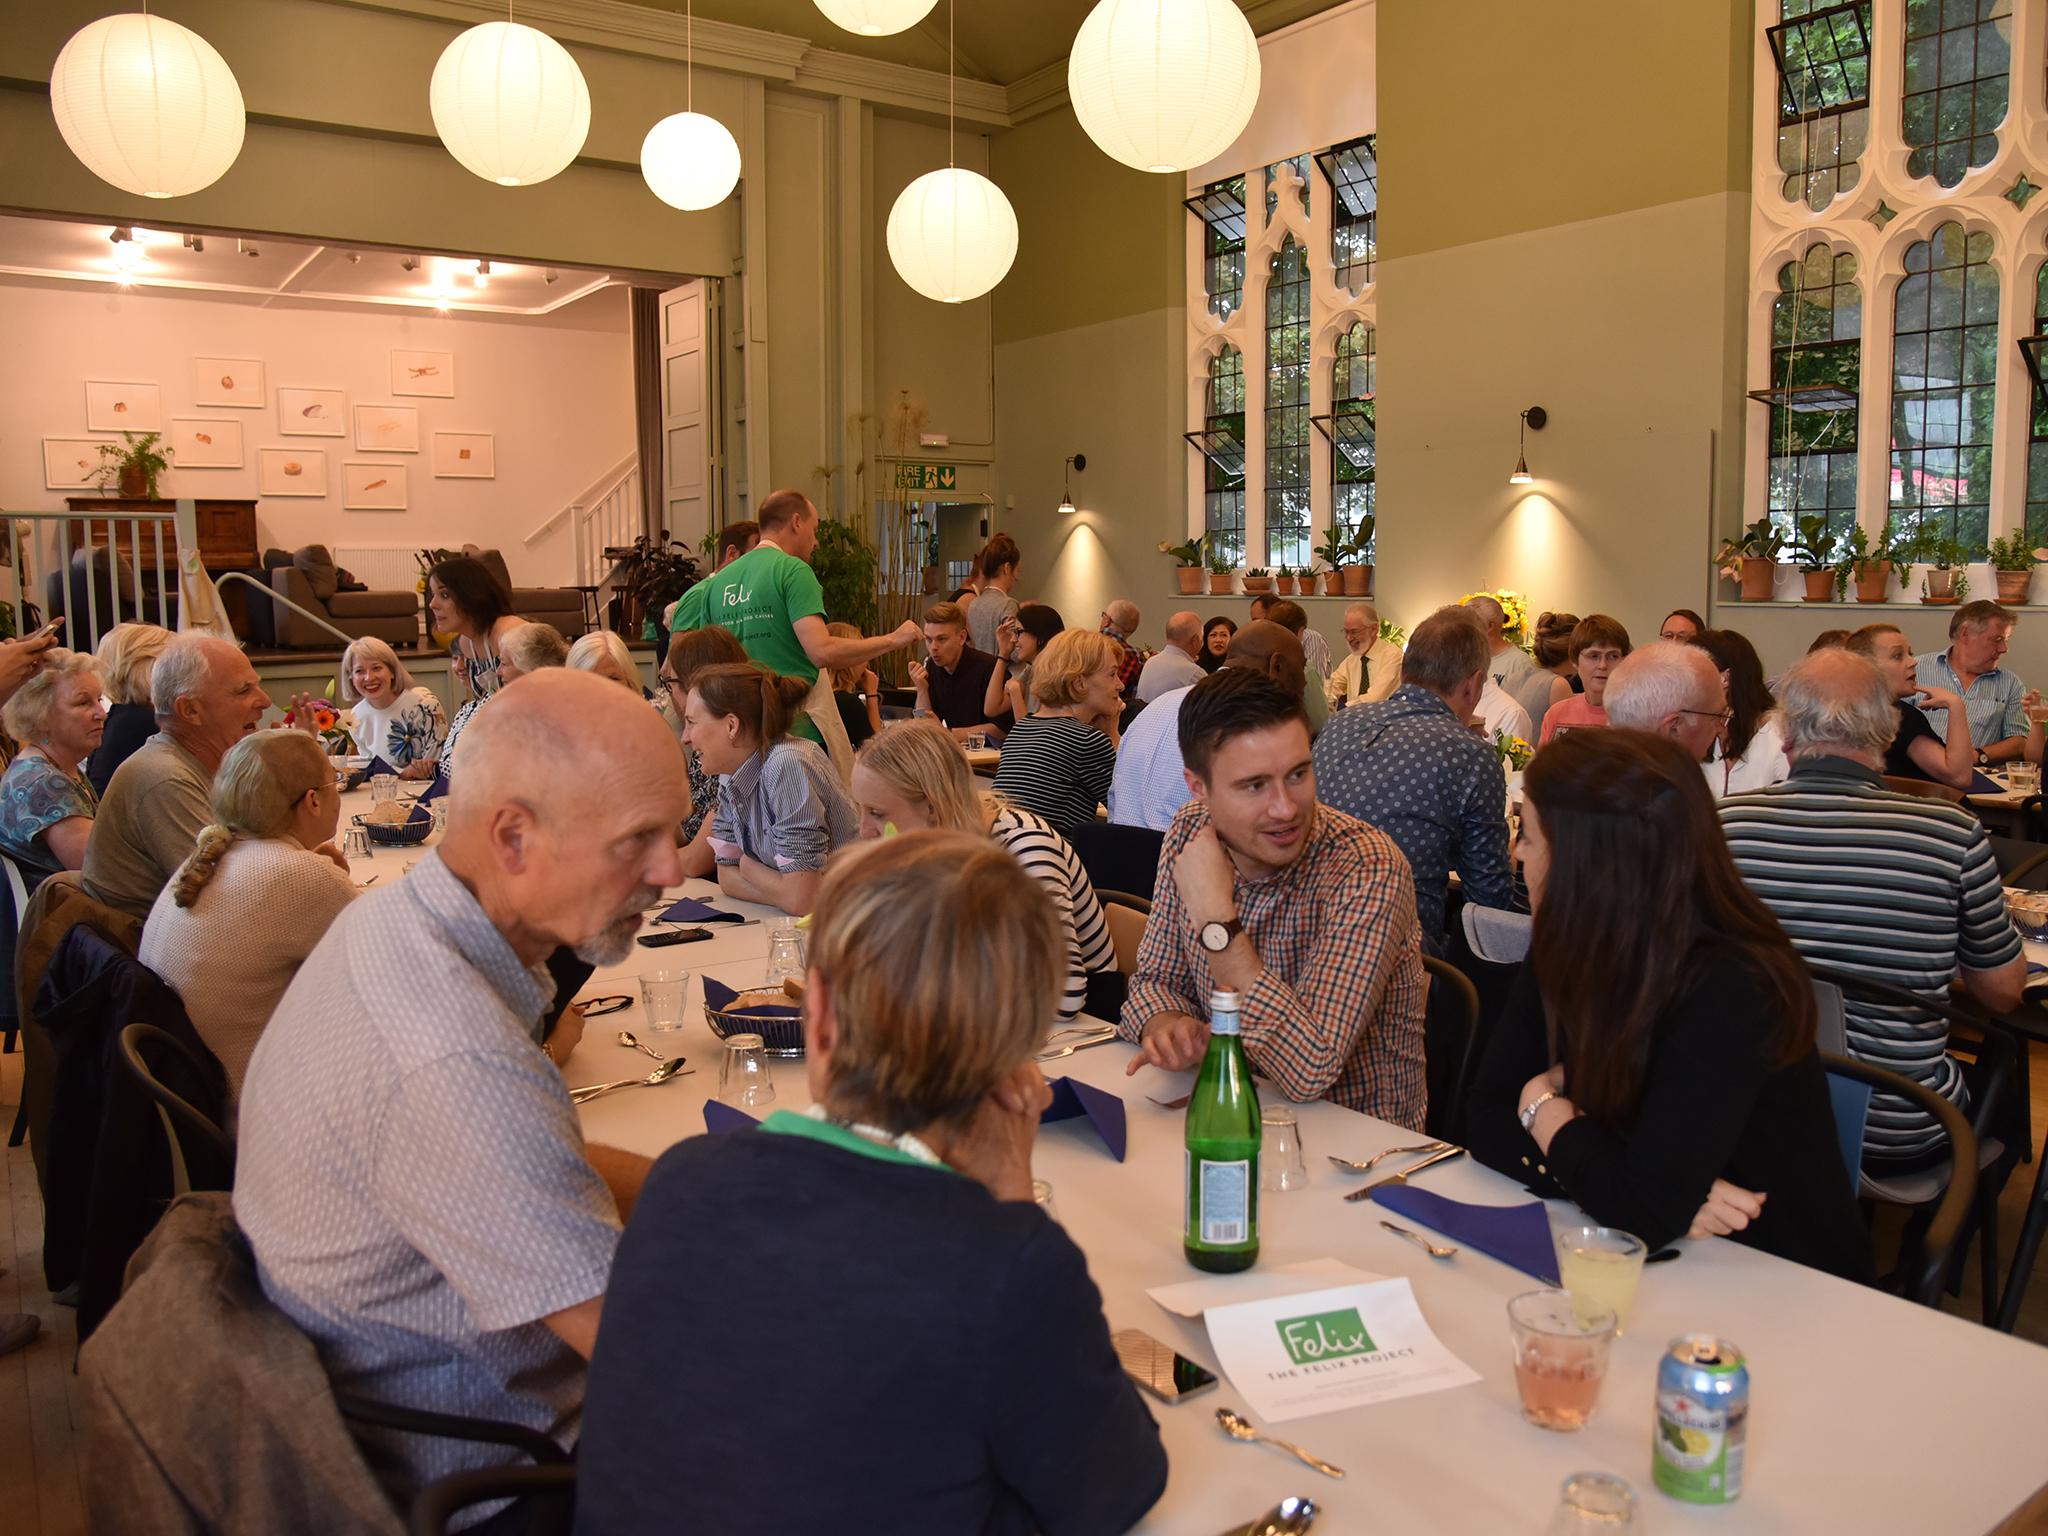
(381, 569)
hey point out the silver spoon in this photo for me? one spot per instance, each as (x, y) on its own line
(1435, 1250)
(1290, 1517)
(673, 1067)
(1238, 1427)
(1368, 1164)
(632, 1042)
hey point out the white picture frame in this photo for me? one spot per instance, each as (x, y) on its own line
(373, 487)
(69, 463)
(232, 381)
(291, 471)
(387, 429)
(305, 412)
(122, 407)
(465, 456)
(205, 443)
(423, 373)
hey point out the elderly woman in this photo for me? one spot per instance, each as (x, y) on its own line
(1372, 670)
(395, 719)
(46, 803)
(231, 929)
(914, 775)
(1018, 640)
(466, 599)
(127, 655)
(1058, 763)
(605, 653)
(781, 808)
(526, 647)
(903, 1210)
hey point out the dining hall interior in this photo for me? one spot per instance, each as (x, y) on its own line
(960, 427)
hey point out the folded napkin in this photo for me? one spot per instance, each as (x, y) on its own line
(688, 911)
(1105, 1111)
(434, 791)
(1517, 1235)
(723, 1119)
(377, 765)
(719, 996)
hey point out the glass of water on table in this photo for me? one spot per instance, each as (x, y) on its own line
(785, 956)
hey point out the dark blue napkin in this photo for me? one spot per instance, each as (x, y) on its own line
(1072, 1099)
(377, 765)
(688, 911)
(723, 1119)
(434, 791)
(1517, 1235)
(719, 996)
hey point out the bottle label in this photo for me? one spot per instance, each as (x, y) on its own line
(1224, 1190)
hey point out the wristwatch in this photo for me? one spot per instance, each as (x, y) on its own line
(1216, 937)
(1528, 1116)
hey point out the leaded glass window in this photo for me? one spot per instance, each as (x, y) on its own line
(1822, 52)
(1944, 394)
(1223, 484)
(1220, 208)
(1958, 84)
(2037, 437)
(1300, 164)
(1816, 355)
(1286, 414)
(1354, 450)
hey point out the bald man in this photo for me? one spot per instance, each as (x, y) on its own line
(411, 1173)
(1509, 659)
(1175, 666)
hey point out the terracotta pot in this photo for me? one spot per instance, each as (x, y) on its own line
(1220, 583)
(1759, 578)
(1820, 586)
(1284, 585)
(931, 579)
(1357, 580)
(1873, 584)
(2013, 586)
(1255, 584)
(1941, 585)
(1333, 583)
(134, 482)
(1190, 578)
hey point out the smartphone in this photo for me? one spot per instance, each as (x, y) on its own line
(49, 629)
(674, 936)
(1159, 1368)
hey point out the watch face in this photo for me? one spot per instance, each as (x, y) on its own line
(1215, 937)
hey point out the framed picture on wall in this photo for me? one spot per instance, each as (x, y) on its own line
(69, 463)
(373, 487)
(291, 471)
(201, 444)
(423, 373)
(387, 429)
(465, 456)
(122, 408)
(236, 381)
(312, 412)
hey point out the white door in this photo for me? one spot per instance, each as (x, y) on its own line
(686, 420)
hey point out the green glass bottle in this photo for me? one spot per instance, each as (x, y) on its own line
(1222, 1232)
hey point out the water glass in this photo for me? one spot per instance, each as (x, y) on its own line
(1280, 1162)
(663, 994)
(976, 741)
(743, 1078)
(1593, 1501)
(2024, 778)
(1599, 1266)
(1559, 1360)
(383, 787)
(1041, 1196)
(355, 843)
(785, 956)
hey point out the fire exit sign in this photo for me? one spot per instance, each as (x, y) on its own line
(927, 477)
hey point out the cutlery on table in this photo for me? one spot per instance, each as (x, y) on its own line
(633, 1042)
(1179, 1103)
(1290, 1517)
(1367, 1165)
(1238, 1427)
(673, 1067)
(1402, 1176)
(1434, 1250)
(1082, 1042)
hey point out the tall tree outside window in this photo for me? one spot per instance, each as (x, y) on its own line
(1353, 173)
(1286, 415)
(1822, 52)
(1817, 347)
(1223, 490)
(1944, 390)
(1354, 451)
(1958, 84)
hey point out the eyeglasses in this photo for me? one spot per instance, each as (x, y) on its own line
(1722, 715)
(668, 680)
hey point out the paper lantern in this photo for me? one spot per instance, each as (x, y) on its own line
(690, 160)
(1164, 85)
(952, 235)
(875, 18)
(509, 103)
(147, 105)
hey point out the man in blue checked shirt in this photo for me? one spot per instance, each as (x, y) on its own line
(1977, 634)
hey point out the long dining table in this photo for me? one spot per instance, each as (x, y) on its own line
(1867, 1414)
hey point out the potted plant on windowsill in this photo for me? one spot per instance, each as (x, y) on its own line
(1283, 581)
(1813, 551)
(1753, 559)
(1870, 569)
(1188, 558)
(2012, 564)
(132, 466)
(1358, 573)
(1334, 551)
(1222, 572)
(1258, 579)
(1945, 581)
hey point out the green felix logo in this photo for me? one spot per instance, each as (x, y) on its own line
(1325, 1336)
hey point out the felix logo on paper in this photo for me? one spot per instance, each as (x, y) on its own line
(1324, 1336)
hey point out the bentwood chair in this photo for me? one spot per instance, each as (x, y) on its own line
(550, 1491)
(1125, 914)
(2022, 865)
(18, 894)
(194, 1131)
(1450, 1046)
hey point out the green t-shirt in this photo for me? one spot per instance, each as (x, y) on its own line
(759, 597)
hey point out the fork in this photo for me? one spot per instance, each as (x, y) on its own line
(1434, 1250)
(1079, 1043)
(1368, 1165)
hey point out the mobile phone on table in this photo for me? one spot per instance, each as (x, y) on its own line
(1159, 1368)
(674, 936)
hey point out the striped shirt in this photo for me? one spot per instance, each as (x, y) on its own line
(1051, 861)
(1897, 888)
(1338, 1012)
(1150, 784)
(1056, 766)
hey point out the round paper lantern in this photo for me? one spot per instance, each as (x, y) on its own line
(1164, 85)
(147, 105)
(952, 235)
(875, 18)
(509, 103)
(690, 160)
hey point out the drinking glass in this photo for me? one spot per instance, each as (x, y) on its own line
(1559, 1361)
(663, 993)
(355, 843)
(383, 787)
(1599, 1266)
(2024, 778)
(1280, 1164)
(743, 1079)
(1041, 1196)
(785, 956)
(1593, 1501)
(976, 741)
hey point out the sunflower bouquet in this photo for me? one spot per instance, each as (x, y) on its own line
(1516, 607)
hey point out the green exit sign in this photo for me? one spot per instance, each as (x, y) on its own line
(927, 477)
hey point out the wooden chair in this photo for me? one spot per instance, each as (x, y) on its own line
(1125, 914)
(1450, 1046)
(2021, 864)
(1926, 789)
(188, 1126)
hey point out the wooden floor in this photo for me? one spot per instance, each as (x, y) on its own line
(40, 1475)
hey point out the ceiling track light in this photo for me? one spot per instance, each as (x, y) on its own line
(1533, 420)
(246, 248)
(196, 244)
(409, 263)
(1076, 464)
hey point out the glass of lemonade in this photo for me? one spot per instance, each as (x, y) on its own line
(1560, 1361)
(1599, 1267)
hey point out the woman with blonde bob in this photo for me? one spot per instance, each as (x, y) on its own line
(1059, 761)
(914, 775)
(127, 656)
(46, 804)
(605, 653)
(231, 929)
(395, 719)
(904, 1208)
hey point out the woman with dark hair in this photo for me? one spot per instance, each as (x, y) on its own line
(690, 651)
(466, 599)
(1216, 638)
(1551, 645)
(1751, 751)
(1672, 1087)
(1681, 624)
(1018, 642)
(1597, 646)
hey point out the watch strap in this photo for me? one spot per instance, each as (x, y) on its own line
(1529, 1109)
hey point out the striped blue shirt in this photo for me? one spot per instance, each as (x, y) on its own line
(1992, 700)
(1149, 787)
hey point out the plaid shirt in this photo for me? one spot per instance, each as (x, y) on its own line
(1338, 1013)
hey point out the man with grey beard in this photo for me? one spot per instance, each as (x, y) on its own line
(411, 1173)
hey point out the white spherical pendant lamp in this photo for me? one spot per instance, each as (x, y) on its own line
(147, 105)
(690, 161)
(952, 235)
(875, 18)
(1164, 85)
(509, 103)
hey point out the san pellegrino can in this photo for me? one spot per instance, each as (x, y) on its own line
(1702, 1420)
(1222, 1230)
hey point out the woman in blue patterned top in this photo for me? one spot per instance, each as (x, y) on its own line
(46, 804)
(394, 718)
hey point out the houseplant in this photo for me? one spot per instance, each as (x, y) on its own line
(845, 564)
(1283, 582)
(1870, 568)
(132, 467)
(1813, 551)
(650, 574)
(1945, 581)
(1258, 579)
(1358, 572)
(1222, 573)
(1753, 559)
(2012, 564)
(1334, 551)
(1188, 558)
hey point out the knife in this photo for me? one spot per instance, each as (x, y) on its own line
(1402, 1176)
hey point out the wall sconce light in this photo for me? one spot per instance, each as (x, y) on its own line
(1533, 420)
(1075, 464)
